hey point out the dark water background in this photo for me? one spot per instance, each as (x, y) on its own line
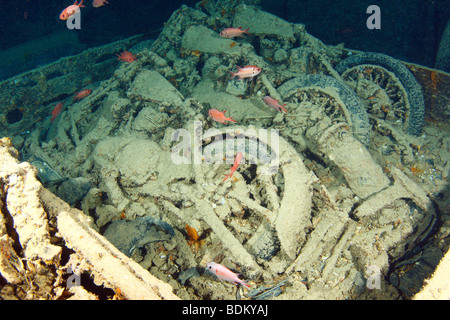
(410, 29)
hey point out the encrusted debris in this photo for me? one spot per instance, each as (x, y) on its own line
(328, 193)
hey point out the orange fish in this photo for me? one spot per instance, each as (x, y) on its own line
(218, 116)
(192, 234)
(82, 94)
(56, 111)
(126, 56)
(246, 72)
(237, 160)
(233, 32)
(71, 10)
(434, 79)
(271, 102)
(99, 3)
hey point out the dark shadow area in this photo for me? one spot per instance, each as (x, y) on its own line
(410, 30)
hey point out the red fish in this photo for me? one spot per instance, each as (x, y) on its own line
(223, 273)
(218, 116)
(271, 102)
(99, 3)
(346, 30)
(82, 94)
(246, 72)
(71, 10)
(233, 32)
(237, 160)
(126, 56)
(56, 111)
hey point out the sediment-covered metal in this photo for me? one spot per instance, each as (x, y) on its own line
(416, 113)
(352, 107)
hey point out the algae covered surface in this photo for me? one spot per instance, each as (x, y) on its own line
(344, 196)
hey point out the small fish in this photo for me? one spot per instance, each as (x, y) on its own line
(434, 79)
(271, 102)
(246, 72)
(99, 3)
(126, 56)
(82, 94)
(345, 30)
(192, 234)
(56, 111)
(71, 10)
(218, 116)
(223, 273)
(237, 160)
(233, 32)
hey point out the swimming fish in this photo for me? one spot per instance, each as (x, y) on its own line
(218, 116)
(434, 79)
(246, 72)
(82, 94)
(71, 10)
(271, 102)
(223, 273)
(192, 234)
(99, 3)
(126, 56)
(237, 160)
(233, 32)
(56, 111)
